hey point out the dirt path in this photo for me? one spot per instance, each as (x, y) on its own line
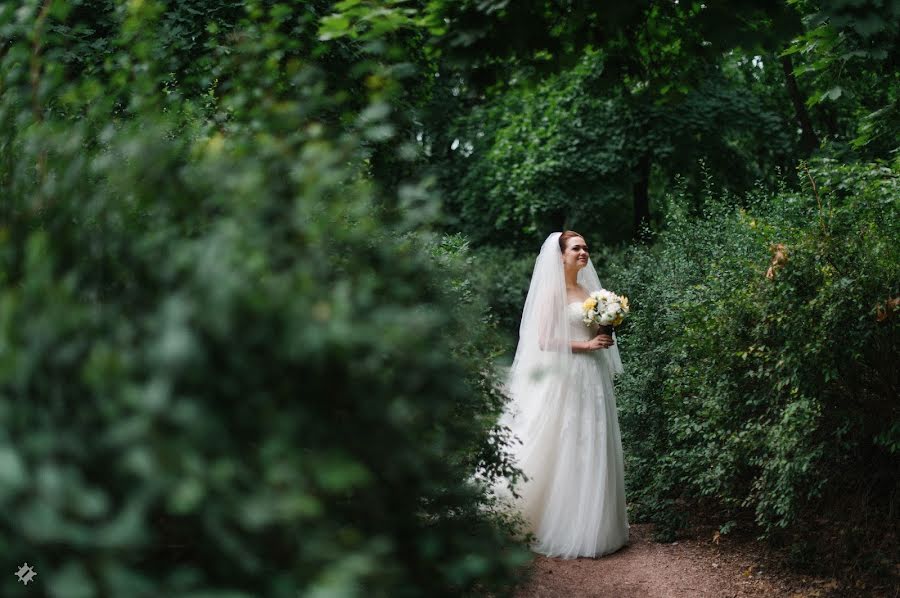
(693, 568)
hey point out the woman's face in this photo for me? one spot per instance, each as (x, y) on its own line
(576, 254)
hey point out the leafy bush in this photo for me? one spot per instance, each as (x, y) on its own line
(504, 275)
(775, 393)
(221, 370)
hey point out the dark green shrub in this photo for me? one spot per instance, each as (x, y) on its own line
(774, 394)
(221, 371)
(504, 275)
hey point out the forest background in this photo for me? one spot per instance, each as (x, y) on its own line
(262, 263)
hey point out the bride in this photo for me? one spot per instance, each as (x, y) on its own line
(563, 410)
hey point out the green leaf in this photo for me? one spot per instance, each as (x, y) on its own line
(333, 27)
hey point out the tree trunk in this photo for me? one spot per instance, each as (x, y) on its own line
(808, 139)
(641, 194)
(828, 115)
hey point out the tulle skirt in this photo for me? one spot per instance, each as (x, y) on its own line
(574, 499)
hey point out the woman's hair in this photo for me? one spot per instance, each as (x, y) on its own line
(564, 238)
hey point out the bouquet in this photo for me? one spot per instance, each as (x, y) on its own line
(605, 308)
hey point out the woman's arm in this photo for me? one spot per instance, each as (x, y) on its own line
(601, 341)
(580, 346)
(598, 342)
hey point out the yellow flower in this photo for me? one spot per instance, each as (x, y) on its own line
(623, 300)
(590, 303)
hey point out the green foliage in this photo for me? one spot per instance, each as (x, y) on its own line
(563, 121)
(647, 42)
(228, 365)
(775, 394)
(537, 154)
(505, 274)
(850, 56)
(234, 360)
(567, 152)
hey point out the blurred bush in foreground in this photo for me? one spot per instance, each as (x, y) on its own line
(221, 372)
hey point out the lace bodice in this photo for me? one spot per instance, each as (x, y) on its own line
(578, 330)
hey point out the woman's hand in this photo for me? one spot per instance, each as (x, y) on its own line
(601, 341)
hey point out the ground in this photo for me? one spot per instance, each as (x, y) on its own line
(699, 566)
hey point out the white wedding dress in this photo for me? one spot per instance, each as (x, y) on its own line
(574, 500)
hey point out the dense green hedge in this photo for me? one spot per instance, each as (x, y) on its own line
(221, 371)
(776, 394)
